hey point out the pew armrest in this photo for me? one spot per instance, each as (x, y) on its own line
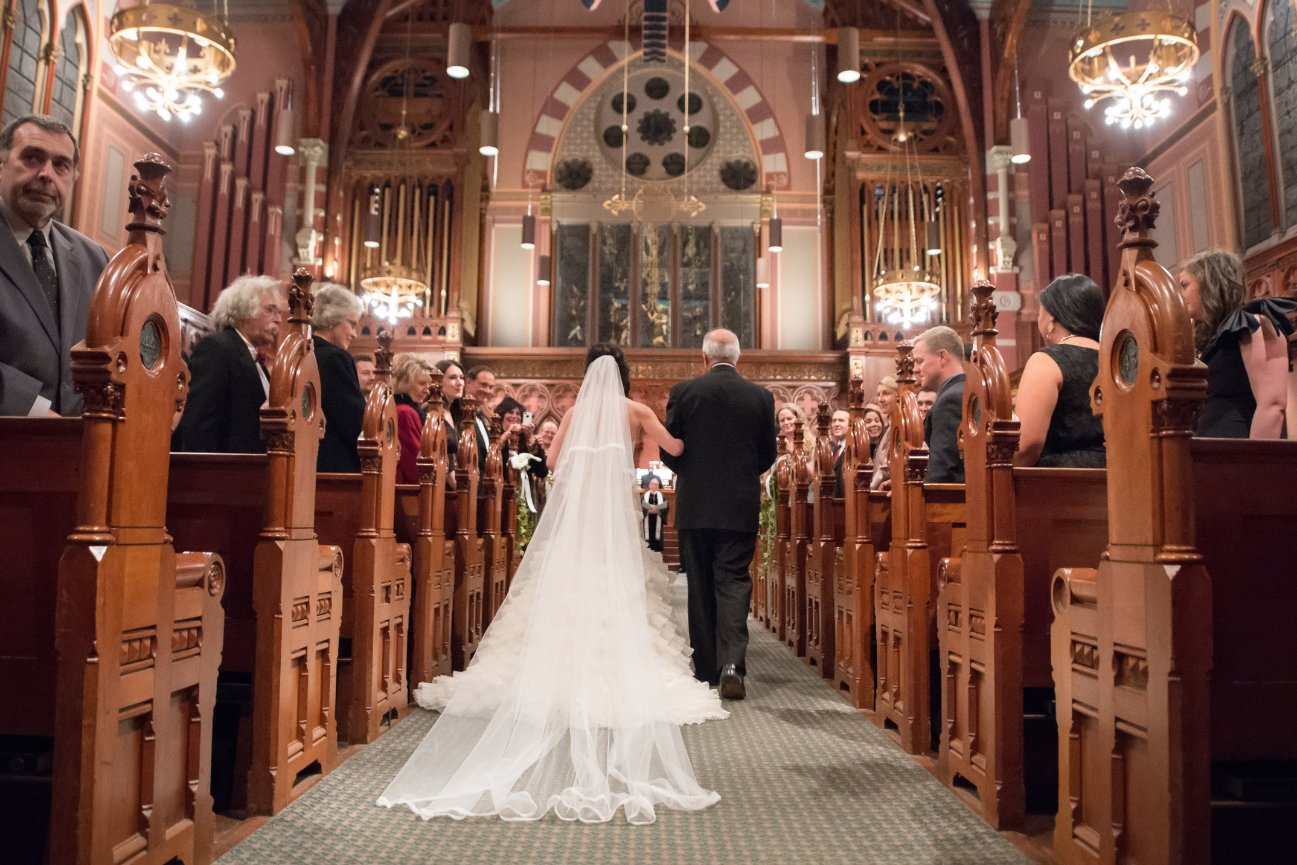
(201, 570)
(1073, 586)
(948, 572)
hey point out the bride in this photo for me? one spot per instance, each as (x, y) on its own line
(574, 700)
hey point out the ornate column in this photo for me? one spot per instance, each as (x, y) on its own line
(315, 154)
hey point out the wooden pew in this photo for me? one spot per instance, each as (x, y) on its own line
(109, 643)
(357, 514)
(927, 523)
(822, 553)
(797, 545)
(468, 613)
(422, 524)
(284, 590)
(490, 513)
(1173, 657)
(993, 605)
(776, 580)
(865, 519)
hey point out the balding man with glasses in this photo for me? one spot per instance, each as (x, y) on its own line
(47, 270)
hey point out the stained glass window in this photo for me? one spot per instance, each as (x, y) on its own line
(738, 302)
(613, 309)
(66, 104)
(24, 57)
(1283, 84)
(572, 285)
(1245, 103)
(656, 259)
(695, 284)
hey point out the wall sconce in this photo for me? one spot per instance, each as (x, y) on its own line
(848, 55)
(489, 129)
(776, 235)
(814, 137)
(529, 232)
(542, 269)
(763, 272)
(459, 49)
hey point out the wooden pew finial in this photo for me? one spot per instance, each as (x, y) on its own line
(300, 302)
(905, 363)
(856, 393)
(435, 400)
(149, 200)
(1138, 210)
(383, 354)
(984, 311)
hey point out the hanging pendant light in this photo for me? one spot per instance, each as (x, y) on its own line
(373, 222)
(763, 272)
(933, 232)
(1019, 137)
(459, 49)
(848, 55)
(286, 126)
(1135, 59)
(528, 232)
(489, 129)
(776, 235)
(168, 55)
(543, 267)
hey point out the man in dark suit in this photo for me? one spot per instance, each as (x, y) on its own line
(47, 270)
(479, 383)
(939, 366)
(838, 425)
(728, 427)
(228, 382)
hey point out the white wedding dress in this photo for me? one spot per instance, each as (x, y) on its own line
(574, 700)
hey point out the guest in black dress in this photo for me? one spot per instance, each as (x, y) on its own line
(1059, 428)
(452, 392)
(334, 320)
(518, 437)
(1245, 347)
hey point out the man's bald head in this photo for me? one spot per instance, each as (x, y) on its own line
(721, 346)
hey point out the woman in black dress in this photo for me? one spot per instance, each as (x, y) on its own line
(335, 316)
(1058, 426)
(452, 391)
(1244, 345)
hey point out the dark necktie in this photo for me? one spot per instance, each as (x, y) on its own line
(44, 268)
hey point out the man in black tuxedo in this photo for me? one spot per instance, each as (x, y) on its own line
(47, 270)
(939, 366)
(479, 383)
(838, 425)
(728, 427)
(228, 383)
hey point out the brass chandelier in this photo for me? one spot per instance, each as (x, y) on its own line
(1135, 60)
(169, 55)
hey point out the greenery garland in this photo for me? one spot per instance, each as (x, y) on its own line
(526, 519)
(767, 522)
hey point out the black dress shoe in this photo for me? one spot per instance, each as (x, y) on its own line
(732, 684)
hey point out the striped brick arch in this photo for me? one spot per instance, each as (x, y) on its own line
(724, 72)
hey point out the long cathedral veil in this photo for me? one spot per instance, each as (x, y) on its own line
(581, 724)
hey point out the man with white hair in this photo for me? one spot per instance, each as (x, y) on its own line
(228, 383)
(939, 367)
(335, 318)
(728, 427)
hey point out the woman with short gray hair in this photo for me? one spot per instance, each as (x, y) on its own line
(335, 317)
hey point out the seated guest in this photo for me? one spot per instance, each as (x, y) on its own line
(874, 425)
(47, 270)
(939, 367)
(1244, 344)
(228, 382)
(364, 371)
(411, 382)
(1059, 427)
(886, 399)
(838, 425)
(452, 392)
(789, 418)
(926, 399)
(334, 320)
(545, 434)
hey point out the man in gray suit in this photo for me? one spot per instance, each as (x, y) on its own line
(47, 270)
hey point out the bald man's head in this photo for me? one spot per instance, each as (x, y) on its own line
(721, 346)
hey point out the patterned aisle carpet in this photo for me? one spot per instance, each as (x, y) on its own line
(802, 776)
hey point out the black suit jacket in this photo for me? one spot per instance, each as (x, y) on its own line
(728, 427)
(223, 412)
(344, 408)
(941, 430)
(839, 486)
(35, 350)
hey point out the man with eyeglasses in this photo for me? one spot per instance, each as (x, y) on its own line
(47, 270)
(229, 381)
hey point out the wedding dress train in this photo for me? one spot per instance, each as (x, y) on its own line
(574, 700)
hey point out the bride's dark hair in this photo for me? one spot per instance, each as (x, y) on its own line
(607, 349)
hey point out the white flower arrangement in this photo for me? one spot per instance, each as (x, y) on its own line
(522, 461)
